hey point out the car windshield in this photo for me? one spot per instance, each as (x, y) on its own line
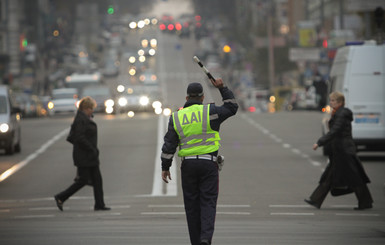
(3, 105)
(96, 91)
(63, 96)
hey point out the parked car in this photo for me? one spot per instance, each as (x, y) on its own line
(64, 100)
(10, 136)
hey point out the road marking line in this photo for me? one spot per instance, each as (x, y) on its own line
(278, 140)
(296, 151)
(293, 214)
(35, 216)
(304, 155)
(8, 201)
(233, 206)
(162, 213)
(315, 163)
(32, 156)
(99, 214)
(356, 214)
(121, 206)
(286, 145)
(157, 187)
(342, 206)
(182, 206)
(5, 210)
(234, 213)
(183, 213)
(290, 206)
(42, 209)
(165, 206)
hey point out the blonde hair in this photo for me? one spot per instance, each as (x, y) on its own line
(338, 96)
(87, 102)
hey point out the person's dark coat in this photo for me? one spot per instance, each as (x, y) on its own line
(84, 137)
(344, 169)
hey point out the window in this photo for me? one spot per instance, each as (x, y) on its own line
(3, 105)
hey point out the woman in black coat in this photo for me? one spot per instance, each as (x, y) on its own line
(84, 136)
(345, 173)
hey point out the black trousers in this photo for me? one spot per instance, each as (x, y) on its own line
(86, 176)
(362, 193)
(200, 194)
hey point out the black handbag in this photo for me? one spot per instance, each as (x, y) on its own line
(86, 177)
(339, 191)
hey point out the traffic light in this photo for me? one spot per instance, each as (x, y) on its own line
(23, 42)
(325, 43)
(110, 9)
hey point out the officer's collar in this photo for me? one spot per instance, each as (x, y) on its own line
(192, 102)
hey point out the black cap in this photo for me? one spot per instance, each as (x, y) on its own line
(194, 90)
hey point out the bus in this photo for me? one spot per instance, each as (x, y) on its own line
(82, 80)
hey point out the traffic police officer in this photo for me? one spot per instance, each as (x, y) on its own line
(195, 130)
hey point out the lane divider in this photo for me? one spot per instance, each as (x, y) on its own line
(280, 141)
(32, 156)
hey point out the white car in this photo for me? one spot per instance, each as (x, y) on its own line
(64, 100)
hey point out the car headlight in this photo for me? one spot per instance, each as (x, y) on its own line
(50, 105)
(122, 101)
(109, 109)
(120, 88)
(156, 104)
(109, 103)
(167, 112)
(4, 127)
(152, 52)
(158, 110)
(144, 100)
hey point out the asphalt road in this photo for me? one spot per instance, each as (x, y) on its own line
(269, 169)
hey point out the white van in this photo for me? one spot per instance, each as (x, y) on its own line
(358, 72)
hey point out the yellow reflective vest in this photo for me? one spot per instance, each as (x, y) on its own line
(196, 137)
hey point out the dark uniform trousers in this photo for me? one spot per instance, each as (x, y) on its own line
(200, 194)
(86, 176)
(362, 193)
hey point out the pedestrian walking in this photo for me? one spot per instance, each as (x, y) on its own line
(195, 130)
(345, 173)
(83, 135)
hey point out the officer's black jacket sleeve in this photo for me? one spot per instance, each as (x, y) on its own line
(218, 114)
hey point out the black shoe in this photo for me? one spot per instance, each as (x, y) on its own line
(205, 242)
(314, 204)
(102, 209)
(59, 203)
(363, 207)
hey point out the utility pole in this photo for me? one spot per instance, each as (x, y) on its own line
(342, 24)
(14, 37)
(271, 46)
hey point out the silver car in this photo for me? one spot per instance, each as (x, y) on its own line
(10, 137)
